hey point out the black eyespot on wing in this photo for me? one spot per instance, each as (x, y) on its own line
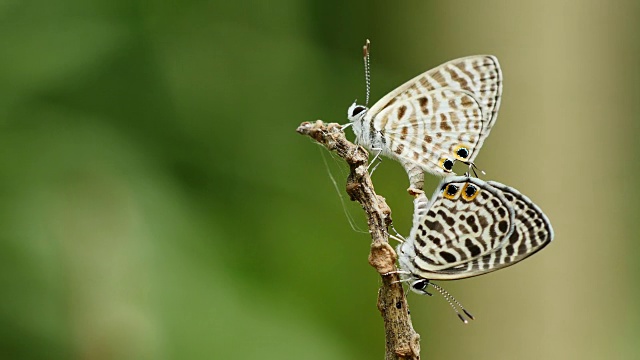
(452, 190)
(357, 110)
(447, 165)
(463, 153)
(470, 190)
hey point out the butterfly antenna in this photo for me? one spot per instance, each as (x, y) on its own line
(367, 69)
(451, 300)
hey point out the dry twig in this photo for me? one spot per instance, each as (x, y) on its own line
(402, 342)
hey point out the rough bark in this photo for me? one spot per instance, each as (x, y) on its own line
(402, 342)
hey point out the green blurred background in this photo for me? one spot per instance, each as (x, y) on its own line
(158, 204)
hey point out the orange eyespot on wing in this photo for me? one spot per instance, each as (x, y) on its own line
(451, 191)
(470, 191)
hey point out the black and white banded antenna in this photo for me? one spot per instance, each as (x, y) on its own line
(367, 69)
(366, 50)
(451, 300)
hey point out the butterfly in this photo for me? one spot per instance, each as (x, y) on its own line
(469, 228)
(435, 119)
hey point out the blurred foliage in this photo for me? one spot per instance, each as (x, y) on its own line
(157, 203)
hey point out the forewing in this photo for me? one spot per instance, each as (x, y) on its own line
(428, 129)
(480, 76)
(465, 220)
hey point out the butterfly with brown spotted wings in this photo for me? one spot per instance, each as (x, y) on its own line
(433, 120)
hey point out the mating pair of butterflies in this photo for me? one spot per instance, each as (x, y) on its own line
(470, 227)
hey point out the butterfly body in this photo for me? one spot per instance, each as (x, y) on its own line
(435, 119)
(469, 228)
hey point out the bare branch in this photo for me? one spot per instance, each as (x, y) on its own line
(402, 342)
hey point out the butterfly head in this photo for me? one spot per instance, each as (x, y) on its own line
(419, 286)
(356, 112)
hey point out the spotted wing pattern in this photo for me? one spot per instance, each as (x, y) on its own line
(480, 76)
(445, 109)
(461, 233)
(432, 131)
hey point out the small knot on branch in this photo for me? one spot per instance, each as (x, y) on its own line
(382, 257)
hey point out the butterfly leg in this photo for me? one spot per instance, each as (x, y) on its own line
(377, 160)
(399, 272)
(397, 237)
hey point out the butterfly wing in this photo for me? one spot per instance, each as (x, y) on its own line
(532, 231)
(477, 76)
(429, 129)
(466, 219)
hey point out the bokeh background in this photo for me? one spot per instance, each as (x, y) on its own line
(156, 202)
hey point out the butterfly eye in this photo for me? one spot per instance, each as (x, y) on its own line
(469, 192)
(462, 152)
(357, 110)
(446, 164)
(419, 285)
(451, 191)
